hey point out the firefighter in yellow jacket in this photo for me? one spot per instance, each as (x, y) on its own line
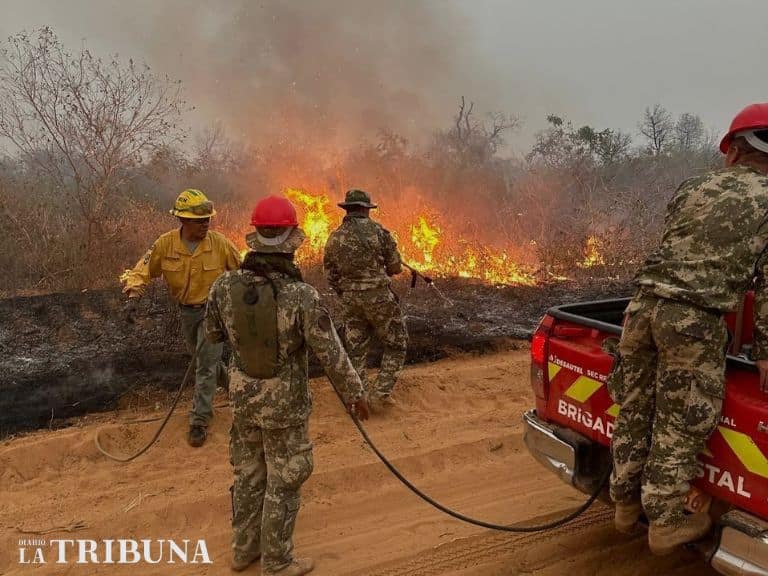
(189, 258)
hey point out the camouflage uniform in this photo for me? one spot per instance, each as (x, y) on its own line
(270, 448)
(360, 256)
(669, 376)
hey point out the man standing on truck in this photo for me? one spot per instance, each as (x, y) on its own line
(670, 372)
(189, 258)
(271, 318)
(360, 256)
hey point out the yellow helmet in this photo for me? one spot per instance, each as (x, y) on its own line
(193, 204)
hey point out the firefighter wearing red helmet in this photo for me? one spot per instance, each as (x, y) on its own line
(271, 318)
(668, 377)
(748, 124)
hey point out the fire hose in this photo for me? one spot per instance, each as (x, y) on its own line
(468, 519)
(148, 445)
(428, 280)
(391, 467)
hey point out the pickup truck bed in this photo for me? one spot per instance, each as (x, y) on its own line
(571, 427)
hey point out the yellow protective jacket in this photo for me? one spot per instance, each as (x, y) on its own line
(189, 276)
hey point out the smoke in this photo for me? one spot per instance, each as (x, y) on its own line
(311, 85)
(316, 73)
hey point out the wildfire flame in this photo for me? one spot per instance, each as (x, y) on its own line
(424, 244)
(315, 220)
(592, 255)
(316, 223)
(425, 238)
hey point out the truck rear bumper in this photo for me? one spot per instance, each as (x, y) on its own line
(743, 546)
(556, 454)
(576, 460)
(742, 549)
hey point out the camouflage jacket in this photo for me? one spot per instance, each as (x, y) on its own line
(360, 255)
(302, 323)
(713, 247)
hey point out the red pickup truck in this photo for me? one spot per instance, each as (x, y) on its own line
(570, 429)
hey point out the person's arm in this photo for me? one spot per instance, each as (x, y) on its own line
(135, 280)
(331, 269)
(321, 336)
(392, 261)
(213, 325)
(233, 259)
(760, 326)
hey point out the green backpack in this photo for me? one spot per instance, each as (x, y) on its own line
(254, 312)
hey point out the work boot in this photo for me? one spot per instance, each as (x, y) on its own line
(664, 539)
(298, 567)
(626, 516)
(197, 435)
(241, 561)
(381, 402)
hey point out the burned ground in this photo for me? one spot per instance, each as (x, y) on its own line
(71, 353)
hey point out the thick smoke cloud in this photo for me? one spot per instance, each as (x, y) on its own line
(324, 72)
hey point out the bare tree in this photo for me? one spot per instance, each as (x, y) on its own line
(476, 141)
(464, 127)
(689, 132)
(498, 123)
(82, 120)
(657, 127)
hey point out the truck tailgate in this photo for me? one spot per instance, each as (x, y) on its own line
(734, 466)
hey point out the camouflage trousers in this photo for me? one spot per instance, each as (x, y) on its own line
(209, 370)
(669, 381)
(369, 312)
(270, 466)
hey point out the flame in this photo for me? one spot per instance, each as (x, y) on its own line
(425, 242)
(425, 238)
(592, 255)
(430, 251)
(314, 220)
(316, 223)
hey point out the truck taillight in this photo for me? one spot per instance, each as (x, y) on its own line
(540, 340)
(539, 349)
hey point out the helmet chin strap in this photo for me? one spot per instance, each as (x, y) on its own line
(277, 240)
(754, 141)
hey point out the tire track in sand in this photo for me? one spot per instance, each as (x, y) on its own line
(485, 547)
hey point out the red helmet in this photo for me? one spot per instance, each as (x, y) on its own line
(753, 117)
(274, 212)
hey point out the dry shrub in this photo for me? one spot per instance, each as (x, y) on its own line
(44, 248)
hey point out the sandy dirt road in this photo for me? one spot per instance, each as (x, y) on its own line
(456, 433)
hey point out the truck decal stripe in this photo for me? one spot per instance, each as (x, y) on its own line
(583, 389)
(553, 370)
(746, 450)
(613, 410)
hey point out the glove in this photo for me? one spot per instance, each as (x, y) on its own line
(359, 409)
(130, 309)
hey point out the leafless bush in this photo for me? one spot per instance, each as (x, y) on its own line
(81, 120)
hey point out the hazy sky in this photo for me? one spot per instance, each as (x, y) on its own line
(405, 64)
(604, 61)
